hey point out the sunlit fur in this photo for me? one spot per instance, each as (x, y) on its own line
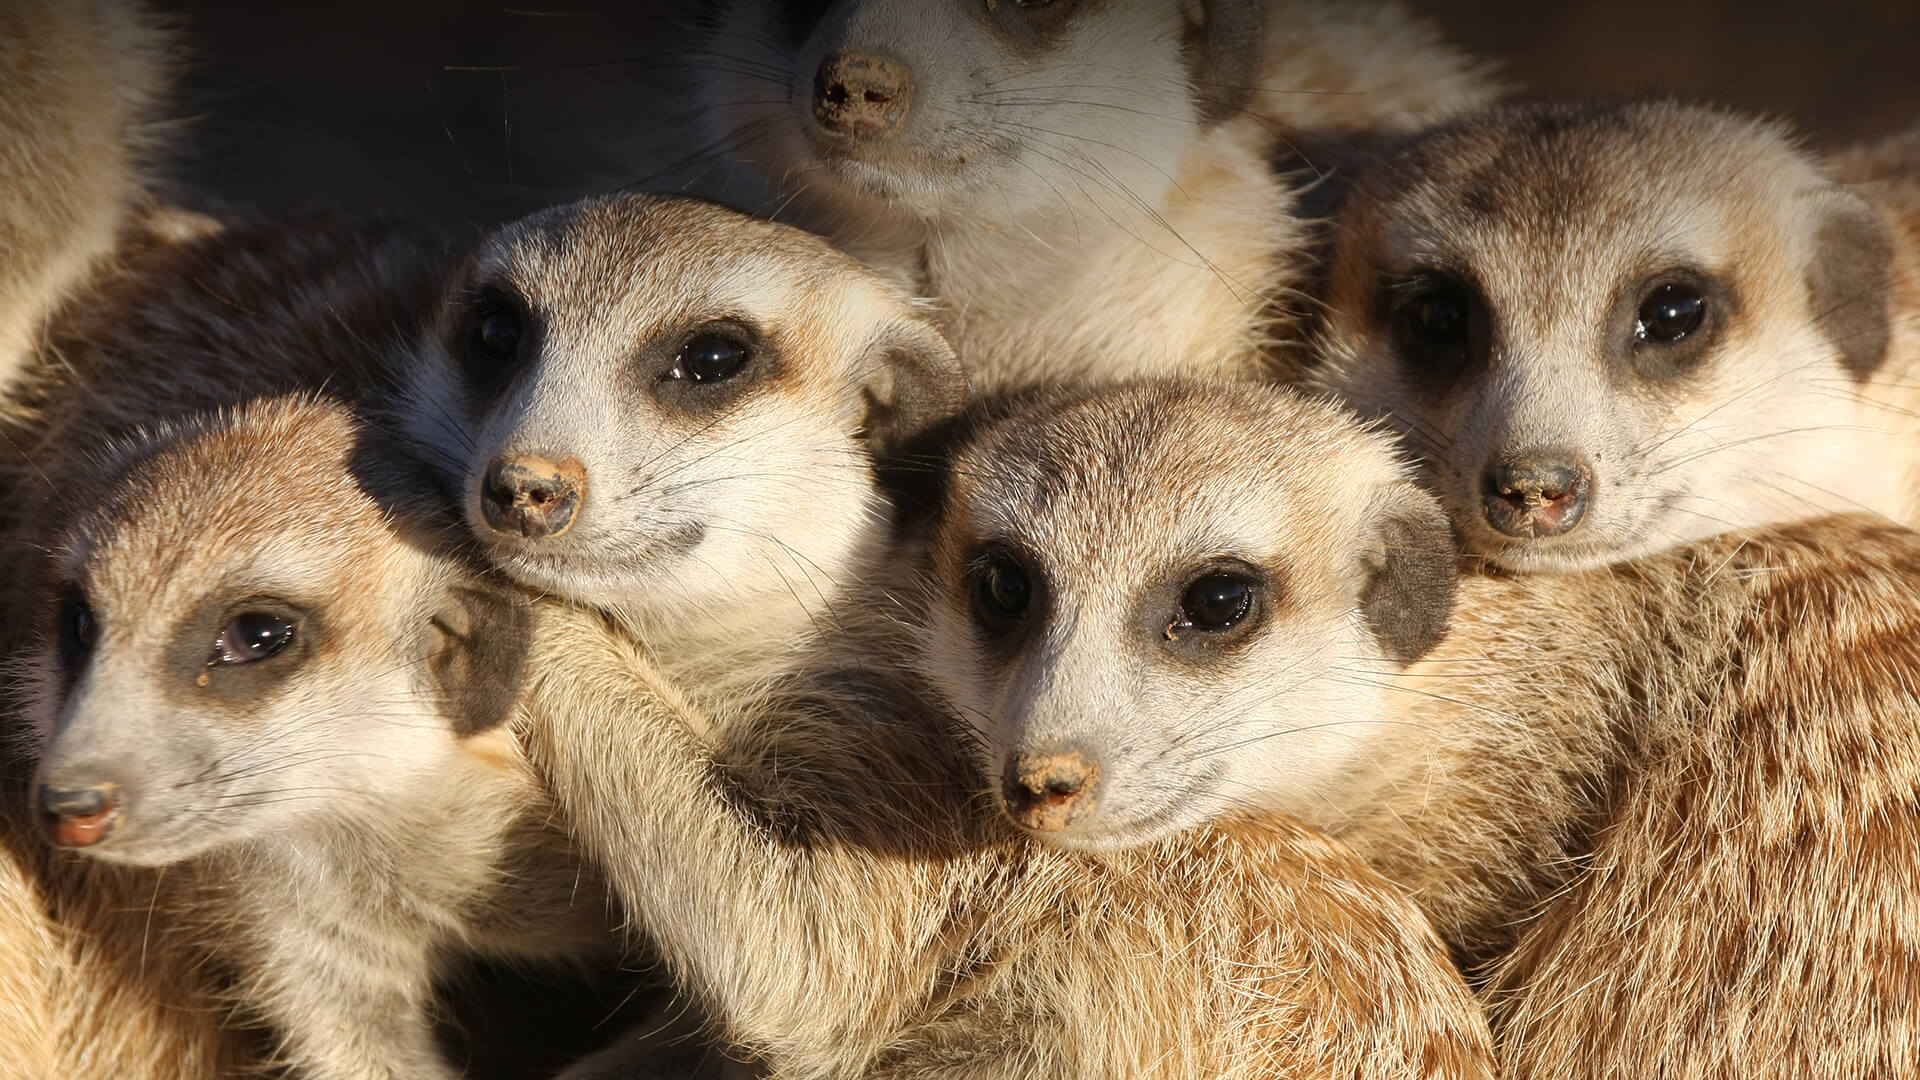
(1112, 497)
(1664, 811)
(84, 83)
(715, 535)
(821, 870)
(343, 840)
(1556, 213)
(1073, 206)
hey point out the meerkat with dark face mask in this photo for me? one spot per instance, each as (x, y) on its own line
(321, 748)
(665, 409)
(1609, 330)
(1086, 189)
(1665, 812)
(85, 83)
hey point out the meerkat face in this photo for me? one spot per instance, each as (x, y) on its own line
(665, 408)
(978, 109)
(1156, 602)
(241, 640)
(1608, 330)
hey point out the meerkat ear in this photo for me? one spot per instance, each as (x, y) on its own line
(1849, 276)
(481, 634)
(915, 381)
(1223, 45)
(1412, 568)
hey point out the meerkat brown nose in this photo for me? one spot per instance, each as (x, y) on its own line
(861, 96)
(1533, 497)
(79, 816)
(1048, 792)
(532, 497)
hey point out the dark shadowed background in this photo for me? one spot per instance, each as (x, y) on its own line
(471, 113)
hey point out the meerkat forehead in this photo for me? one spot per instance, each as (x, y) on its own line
(1123, 481)
(611, 272)
(263, 499)
(1547, 197)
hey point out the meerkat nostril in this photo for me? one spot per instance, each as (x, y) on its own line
(1049, 792)
(79, 816)
(1536, 497)
(861, 96)
(532, 497)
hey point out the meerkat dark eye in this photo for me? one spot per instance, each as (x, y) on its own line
(1670, 313)
(250, 637)
(1434, 327)
(1003, 590)
(75, 628)
(495, 336)
(1215, 602)
(709, 358)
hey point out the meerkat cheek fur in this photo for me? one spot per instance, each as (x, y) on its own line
(1086, 189)
(1663, 812)
(1609, 330)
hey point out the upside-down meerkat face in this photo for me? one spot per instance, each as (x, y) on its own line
(1608, 330)
(978, 109)
(240, 639)
(666, 408)
(1157, 602)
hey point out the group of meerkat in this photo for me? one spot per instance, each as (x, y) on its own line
(1186, 538)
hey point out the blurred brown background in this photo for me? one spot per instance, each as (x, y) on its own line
(470, 113)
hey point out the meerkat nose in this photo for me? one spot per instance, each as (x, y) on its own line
(1048, 792)
(79, 816)
(1542, 494)
(532, 497)
(861, 96)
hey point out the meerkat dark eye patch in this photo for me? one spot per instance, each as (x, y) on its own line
(1674, 319)
(75, 630)
(709, 366)
(1437, 325)
(1003, 590)
(1215, 607)
(494, 341)
(241, 650)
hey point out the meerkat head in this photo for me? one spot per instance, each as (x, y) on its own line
(240, 638)
(1607, 330)
(1159, 601)
(977, 109)
(666, 409)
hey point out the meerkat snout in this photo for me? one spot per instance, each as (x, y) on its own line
(78, 815)
(1049, 792)
(527, 495)
(861, 95)
(1539, 494)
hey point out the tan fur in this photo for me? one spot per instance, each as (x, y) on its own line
(823, 876)
(1077, 208)
(84, 83)
(1665, 811)
(1553, 224)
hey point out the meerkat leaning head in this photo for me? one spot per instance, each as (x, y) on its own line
(665, 408)
(240, 637)
(1608, 330)
(1158, 601)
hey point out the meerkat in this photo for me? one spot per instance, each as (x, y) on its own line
(667, 413)
(322, 746)
(1606, 330)
(1664, 812)
(1085, 189)
(86, 85)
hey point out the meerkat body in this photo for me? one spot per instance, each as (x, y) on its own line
(1665, 811)
(1086, 190)
(84, 83)
(1608, 330)
(664, 410)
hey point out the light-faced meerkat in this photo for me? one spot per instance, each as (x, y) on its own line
(666, 411)
(1606, 330)
(85, 82)
(1086, 189)
(1665, 812)
(282, 689)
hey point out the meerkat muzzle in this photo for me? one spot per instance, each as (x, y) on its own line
(861, 96)
(79, 816)
(1536, 498)
(532, 497)
(1049, 792)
